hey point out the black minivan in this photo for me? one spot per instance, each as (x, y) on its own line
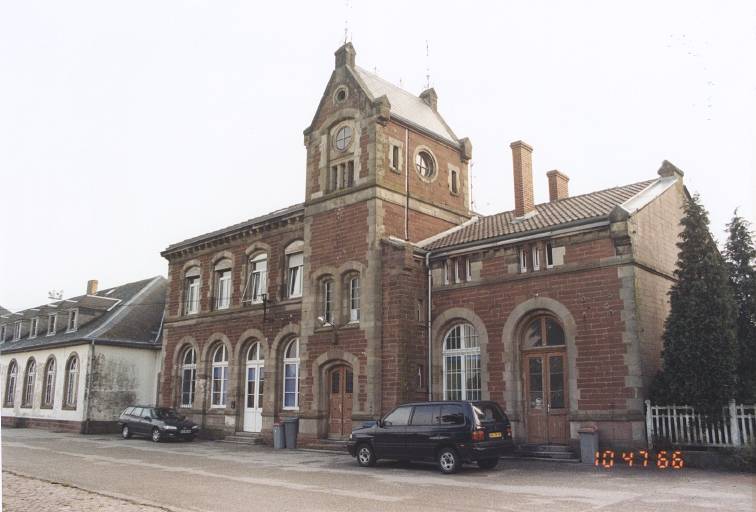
(449, 433)
(157, 423)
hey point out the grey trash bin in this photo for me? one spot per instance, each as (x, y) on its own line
(589, 444)
(291, 429)
(279, 441)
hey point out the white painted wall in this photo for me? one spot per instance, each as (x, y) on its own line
(61, 358)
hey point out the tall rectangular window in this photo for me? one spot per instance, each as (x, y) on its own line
(354, 299)
(523, 260)
(33, 327)
(549, 255)
(257, 284)
(52, 324)
(328, 301)
(17, 331)
(73, 320)
(296, 266)
(454, 181)
(536, 251)
(395, 157)
(2, 332)
(447, 271)
(333, 178)
(191, 299)
(223, 289)
(350, 174)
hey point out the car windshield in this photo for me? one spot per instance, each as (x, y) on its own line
(165, 413)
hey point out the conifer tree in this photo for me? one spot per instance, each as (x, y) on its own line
(740, 255)
(699, 355)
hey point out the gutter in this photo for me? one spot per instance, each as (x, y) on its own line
(428, 327)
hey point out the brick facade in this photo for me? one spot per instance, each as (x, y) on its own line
(366, 213)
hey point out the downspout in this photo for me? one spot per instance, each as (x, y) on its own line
(406, 184)
(428, 326)
(88, 388)
(160, 373)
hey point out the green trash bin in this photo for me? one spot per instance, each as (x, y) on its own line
(291, 430)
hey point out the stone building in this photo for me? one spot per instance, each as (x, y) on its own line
(325, 309)
(75, 364)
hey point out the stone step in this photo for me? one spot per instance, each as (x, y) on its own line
(243, 438)
(544, 448)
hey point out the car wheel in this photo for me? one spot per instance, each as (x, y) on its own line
(125, 432)
(488, 463)
(156, 435)
(365, 456)
(448, 461)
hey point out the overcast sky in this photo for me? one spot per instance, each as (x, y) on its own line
(127, 126)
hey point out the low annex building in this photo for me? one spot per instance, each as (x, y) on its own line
(384, 287)
(75, 364)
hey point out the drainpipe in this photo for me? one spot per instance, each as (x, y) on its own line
(428, 325)
(406, 184)
(88, 388)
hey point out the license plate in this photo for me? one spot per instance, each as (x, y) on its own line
(189, 431)
(493, 435)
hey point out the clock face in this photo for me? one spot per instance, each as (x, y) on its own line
(343, 138)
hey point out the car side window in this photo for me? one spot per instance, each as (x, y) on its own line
(398, 417)
(452, 415)
(137, 412)
(147, 413)
(128, 411)
(426, 415)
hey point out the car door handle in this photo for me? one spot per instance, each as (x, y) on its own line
(439, 438)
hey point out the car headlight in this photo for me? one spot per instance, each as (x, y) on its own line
(170, 427)
(195, 427)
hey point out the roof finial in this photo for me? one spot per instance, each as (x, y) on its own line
(427, 65)
(346, 20)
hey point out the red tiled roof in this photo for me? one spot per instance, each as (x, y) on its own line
(595, 205)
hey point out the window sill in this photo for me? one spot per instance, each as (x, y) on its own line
(68, 408)
(217, 406)
(292, 409)
(47, 406)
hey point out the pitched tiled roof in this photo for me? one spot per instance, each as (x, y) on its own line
(130, 314)
(592, 206)
(3, 311)
(406, 105)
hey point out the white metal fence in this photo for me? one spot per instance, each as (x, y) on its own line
(681, 425)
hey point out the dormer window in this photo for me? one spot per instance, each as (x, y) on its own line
(52, 321)
(343, 138)
(17, 331)
(73, 320)
(33, 327)
(3, 332)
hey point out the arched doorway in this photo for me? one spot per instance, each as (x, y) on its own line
(544, 359)
(340, 383)
(253, 390)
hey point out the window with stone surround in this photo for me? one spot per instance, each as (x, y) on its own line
(326, 290)
(461, 367)
(71, 382)
(454, 181)
(291, 375)
(10, 385)
(48, 384)
(191, 291)
(257, 279)
(219, 377)
(188, 376)
(354, 299)
(222, 286)
(341, 176)
(295, 267)
(425, 164)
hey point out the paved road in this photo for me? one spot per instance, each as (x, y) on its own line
(209, 476)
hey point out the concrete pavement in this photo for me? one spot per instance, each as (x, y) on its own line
(210, 476)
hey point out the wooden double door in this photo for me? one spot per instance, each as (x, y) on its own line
(546, 404)
(341, 387)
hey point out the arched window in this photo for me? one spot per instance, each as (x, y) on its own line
(257, 279)
(72, 382)
(30, 377)
(291, 375)
(219, 389)
(223, 284)
(255, 353)
(188, 377)
(461, 363)
(191, 291)
(543, 331)
(10, 386)
(48, 389)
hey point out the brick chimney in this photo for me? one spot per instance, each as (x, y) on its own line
(345, 56)
(92, 287)
(522, 165)
(557, 185)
